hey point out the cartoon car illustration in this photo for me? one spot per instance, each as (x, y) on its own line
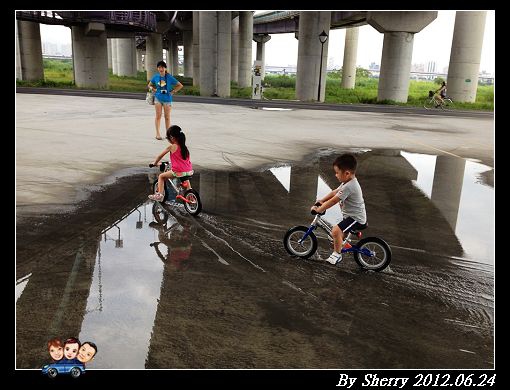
(75, 369)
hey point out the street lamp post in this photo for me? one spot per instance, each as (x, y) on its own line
(323, 37)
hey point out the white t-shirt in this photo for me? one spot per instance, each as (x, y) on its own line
(351, 201)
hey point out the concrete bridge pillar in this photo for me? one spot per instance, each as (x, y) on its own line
(173, 64)
(115, 58)
(187, 37)
(350, 56)
(399, 28)
(462, 80)
(245, 38)
(90, 55)
(19, 75)
(30, 50)
(196, 50)
(234, 62)
(261, 40)
(214, 49)
(208, 32)
(139, 60)
(223, 56)
(154, 53)
(109, 47)
(126, 56)
(311, 25)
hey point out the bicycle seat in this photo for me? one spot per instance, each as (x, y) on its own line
(184, 178)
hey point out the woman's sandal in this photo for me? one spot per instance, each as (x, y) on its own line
(159, 138)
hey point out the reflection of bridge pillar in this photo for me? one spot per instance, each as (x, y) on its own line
(154, 53)
(224, 51)
(90, 55)
(447, 187)
(350, 55)
(303, 186)
(187, 37)
(466, 51)
(234, 62)
(261, 40)
(54, 302)
(245, 38)
(30, 50)
(311, 25)
(196, 51)
(126, 54)
(109, 47)
(214, 191)
(399, 28)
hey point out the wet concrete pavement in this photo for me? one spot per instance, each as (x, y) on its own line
(220, 291)
(66, 143)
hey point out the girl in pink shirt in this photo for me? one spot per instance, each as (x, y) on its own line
(179, 158)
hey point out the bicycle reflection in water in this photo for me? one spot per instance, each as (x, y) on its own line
(176, 237)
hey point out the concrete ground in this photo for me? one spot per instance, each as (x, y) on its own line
(220, 290)
(64, 143)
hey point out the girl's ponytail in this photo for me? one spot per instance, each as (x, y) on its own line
(176, 132)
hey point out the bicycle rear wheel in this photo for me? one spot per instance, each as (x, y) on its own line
(302, 249)
(373, 254)
(429, 104)
(447, 104)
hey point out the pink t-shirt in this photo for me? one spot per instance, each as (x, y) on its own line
(178, 164)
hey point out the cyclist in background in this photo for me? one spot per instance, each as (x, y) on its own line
(442, 94)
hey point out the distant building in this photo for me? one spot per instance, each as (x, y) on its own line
(417, 68)
(431, 67)
(374, 66)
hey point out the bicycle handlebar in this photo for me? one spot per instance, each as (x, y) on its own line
(315, 212)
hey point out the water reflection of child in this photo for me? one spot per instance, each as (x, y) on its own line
(178, 242)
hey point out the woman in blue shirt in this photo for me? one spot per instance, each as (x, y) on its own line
(164, 85)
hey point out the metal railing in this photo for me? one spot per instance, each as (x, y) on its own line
(143, 19)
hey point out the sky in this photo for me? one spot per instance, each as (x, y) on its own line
(433, 43)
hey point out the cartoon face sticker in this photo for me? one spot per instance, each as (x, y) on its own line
(87, 352)
(55, 349)
(71, 347)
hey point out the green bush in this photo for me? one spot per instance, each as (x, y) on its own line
(280, 81)
(185, 80)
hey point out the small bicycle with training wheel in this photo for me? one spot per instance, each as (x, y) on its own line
(181, 186)
(370, 253)
(432, 102)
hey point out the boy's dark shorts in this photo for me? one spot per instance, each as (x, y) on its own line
(349, 224)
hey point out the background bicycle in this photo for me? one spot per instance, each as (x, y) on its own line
(432, 102)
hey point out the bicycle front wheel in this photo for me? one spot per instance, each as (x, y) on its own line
(429, 104)
(303, 249)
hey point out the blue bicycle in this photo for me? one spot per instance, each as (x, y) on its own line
(370, 253)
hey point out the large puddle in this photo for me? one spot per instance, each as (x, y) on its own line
(219, 291)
